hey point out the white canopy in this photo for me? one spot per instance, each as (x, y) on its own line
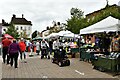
(62, 33)
(106, 25)
(52, 35)
(72, 35)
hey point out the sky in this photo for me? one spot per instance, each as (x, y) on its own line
(43, 12)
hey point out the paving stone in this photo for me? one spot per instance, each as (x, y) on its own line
(42, 68)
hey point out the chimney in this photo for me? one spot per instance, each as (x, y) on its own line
(3, 21)
(14, 16)
(22, 16)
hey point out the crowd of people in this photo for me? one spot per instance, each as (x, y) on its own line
(103, 43)
(12, 49)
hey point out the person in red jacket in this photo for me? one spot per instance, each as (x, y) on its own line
(22, 48)
(5, 44)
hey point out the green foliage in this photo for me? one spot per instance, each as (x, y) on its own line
(77, 22)
(12, 31)
(34, 34)
(75, 12)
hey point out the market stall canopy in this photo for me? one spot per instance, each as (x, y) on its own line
(72, 35)
(106, 25)
(62, 33)
(37, 38)
(52, 35)
(8, 36)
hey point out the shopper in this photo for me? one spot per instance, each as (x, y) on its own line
(14, 50)
(37, 47)
(115, 44)
(51, 44)
(22, 48)
(44, 48)
(31, 48)
(5, 43)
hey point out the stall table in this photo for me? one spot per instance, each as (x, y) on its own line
(107, 64)
(74, 50)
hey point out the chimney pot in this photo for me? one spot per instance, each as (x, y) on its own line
(22, 16)
(14, 16)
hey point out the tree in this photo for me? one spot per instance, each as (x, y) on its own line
(75, 12)
(34, 34)
(12, 31)
(77, 20)
(24, 34)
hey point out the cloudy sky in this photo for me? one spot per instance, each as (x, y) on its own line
(43, 12)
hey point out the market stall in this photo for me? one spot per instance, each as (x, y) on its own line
(92, 54)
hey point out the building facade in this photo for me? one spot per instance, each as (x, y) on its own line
(23, 26)
(5, 25)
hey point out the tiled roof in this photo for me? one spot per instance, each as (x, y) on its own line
(5, 24)
(21, 21)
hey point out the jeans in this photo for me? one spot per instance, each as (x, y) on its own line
(21, 54)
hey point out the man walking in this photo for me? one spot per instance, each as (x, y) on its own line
(6, 42)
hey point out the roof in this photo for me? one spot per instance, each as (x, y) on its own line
(5, 24)
(21, 21)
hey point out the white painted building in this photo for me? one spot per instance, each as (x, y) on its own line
(4, 26)
(22, 26)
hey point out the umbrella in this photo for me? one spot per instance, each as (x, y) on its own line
(8, 36)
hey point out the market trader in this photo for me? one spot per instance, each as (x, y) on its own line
(5, 43)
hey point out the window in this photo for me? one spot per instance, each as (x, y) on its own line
(21, 28)
(17, 28)
(25, 29)
(4, 29)
(29, 28)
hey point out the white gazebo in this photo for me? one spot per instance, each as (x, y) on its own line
(108, 24)
(62, 33)
(52, 35)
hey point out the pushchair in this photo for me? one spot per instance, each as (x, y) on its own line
(45, 53)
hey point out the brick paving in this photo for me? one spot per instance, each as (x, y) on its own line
(44, 68)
